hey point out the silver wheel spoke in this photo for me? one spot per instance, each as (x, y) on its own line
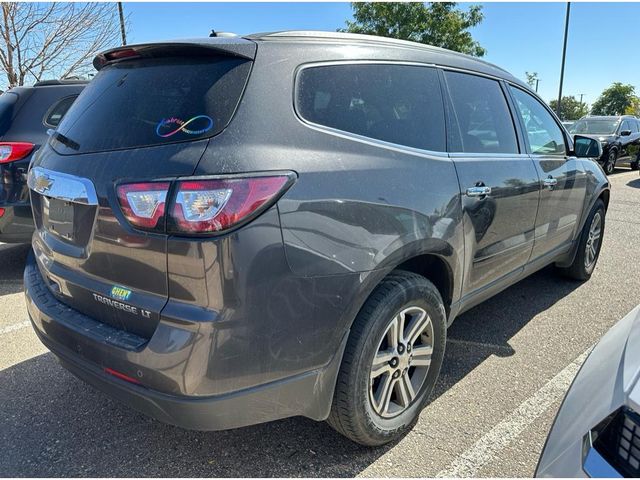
(418, 326)
(404, 390)
(421, 356)
(394, 331)
(383, 394)
(381, 363)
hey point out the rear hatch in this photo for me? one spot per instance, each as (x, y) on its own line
(148, 115)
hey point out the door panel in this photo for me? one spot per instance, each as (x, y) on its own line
(626, 142)
(499, 185)
(499, 227)
(560, 204)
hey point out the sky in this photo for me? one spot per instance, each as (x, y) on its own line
(519, 37)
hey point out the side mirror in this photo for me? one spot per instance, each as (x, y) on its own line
(625, 133)
(586, 147)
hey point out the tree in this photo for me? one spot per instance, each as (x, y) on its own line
(570, 108)
(439, 23)
(53, 40)
(532, 79)
(634, 108)
(615, 100)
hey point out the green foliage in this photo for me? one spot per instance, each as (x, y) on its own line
(616, 100)
(570, 108)
(634, 108)
(439, 23)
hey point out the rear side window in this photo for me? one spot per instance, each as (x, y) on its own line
(55, 113)
(153, 101)
(399, 104)
(8, 101)
(635, 126)
(483, 119)
(544, 134)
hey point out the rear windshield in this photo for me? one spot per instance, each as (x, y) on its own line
(153, 101)
(8, 101)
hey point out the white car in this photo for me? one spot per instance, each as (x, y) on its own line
(597, 430)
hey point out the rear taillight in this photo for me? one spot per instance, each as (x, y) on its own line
(203, 206)
(200, 206)
(12, 151)
(143, 203)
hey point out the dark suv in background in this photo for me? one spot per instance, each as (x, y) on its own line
(619, 136)
(236, 230)
(26, 113)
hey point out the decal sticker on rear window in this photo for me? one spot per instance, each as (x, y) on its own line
(198, 125)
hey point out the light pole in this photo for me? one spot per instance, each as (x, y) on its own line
(564, 54)
(122, 31)
(537, 82)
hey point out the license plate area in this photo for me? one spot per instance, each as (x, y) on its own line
(58, 217)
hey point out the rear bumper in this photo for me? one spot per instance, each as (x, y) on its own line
(86, 347)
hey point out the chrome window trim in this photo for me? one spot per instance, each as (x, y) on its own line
(62, 186)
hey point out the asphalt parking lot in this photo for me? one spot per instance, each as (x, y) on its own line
(507, 366)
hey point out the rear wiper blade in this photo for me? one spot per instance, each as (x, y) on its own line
(66, 141)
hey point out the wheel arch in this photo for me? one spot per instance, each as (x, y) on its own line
(604, 196)
(435, 269)
(432, 265)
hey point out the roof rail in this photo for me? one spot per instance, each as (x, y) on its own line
(321, 34)
(64, 81)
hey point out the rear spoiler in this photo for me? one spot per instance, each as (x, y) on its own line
(207, 47)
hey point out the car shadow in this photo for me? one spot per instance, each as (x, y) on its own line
(12, 260)
(487, 329)
(56, 425)
(634, 183)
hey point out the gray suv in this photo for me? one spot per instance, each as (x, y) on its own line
(236, 230)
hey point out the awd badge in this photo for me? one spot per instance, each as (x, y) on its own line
(120, 293)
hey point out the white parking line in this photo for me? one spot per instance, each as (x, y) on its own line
(469, 463)
(14, 327)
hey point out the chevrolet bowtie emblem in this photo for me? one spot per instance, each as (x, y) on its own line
(42, 184)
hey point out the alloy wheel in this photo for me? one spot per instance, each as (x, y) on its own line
(401, 362)
(611, 163)
(593, 240)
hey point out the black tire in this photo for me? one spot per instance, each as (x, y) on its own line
(610, 163)
(635, 165)
(579, 270)
(352, 412)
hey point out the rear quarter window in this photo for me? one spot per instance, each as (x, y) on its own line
(399, 104)
(153, 101)
(58, 110)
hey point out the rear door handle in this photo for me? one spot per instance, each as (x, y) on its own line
(478, 191)
(550, 182)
